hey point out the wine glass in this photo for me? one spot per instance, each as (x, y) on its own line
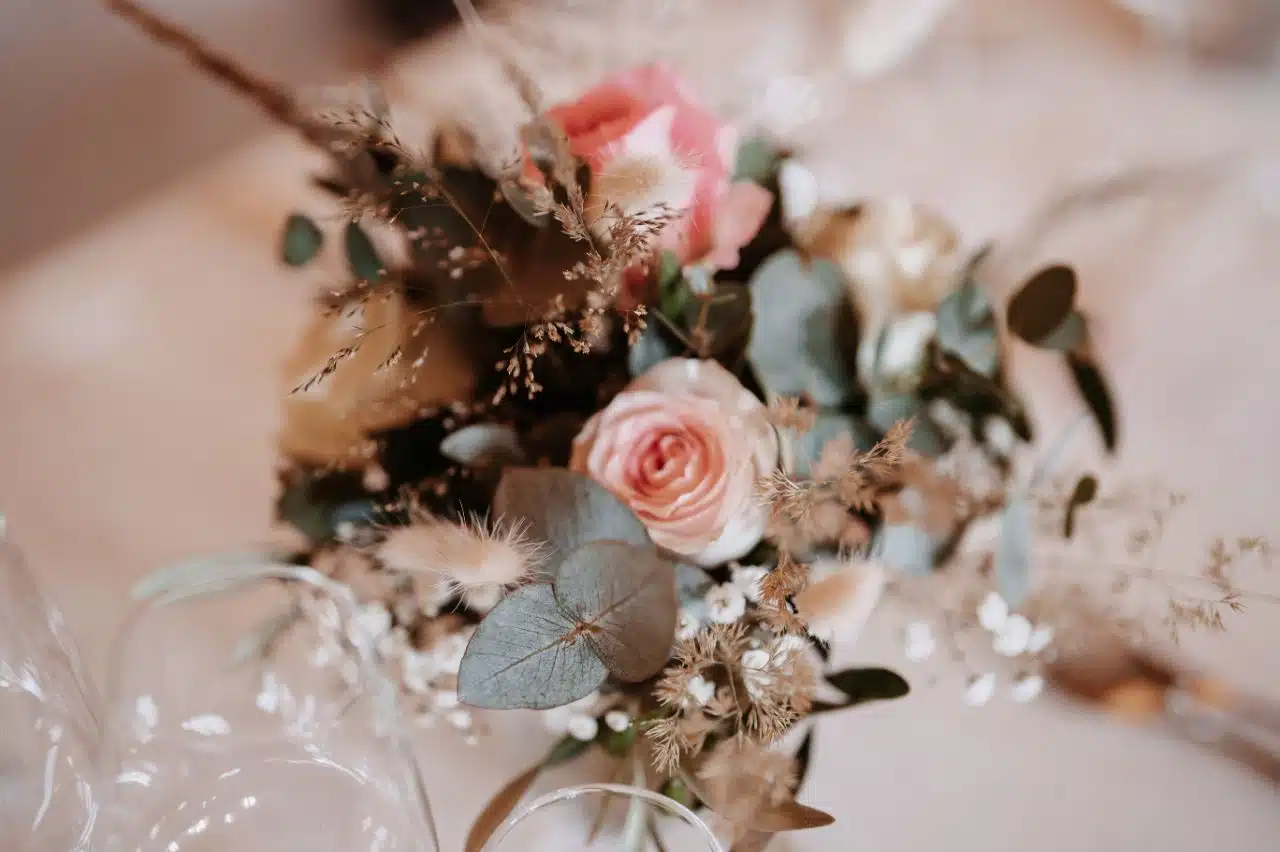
(47, 725)
(541, 825)
(223, 733)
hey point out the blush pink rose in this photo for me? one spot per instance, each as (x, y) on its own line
(647, 112)
(683, 446)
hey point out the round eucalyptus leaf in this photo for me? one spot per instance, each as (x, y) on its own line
(757, 160)
(827, 427)
(483, 445)
(625, 596)
(1013, 551)
(302, 240)
(976, 343)
(906, 548)
(801, 312)
(565, 509)
(724, 315)
(362, 256)
(1067, 337)
(1042, 304)
(523, 204)
(651, 348)
(529, 654)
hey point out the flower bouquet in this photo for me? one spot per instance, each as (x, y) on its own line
(625, 427)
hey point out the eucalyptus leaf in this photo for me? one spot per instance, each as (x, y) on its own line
(483, 445)
(1042, 304)
(565, 509)
(1083, 494)
(528, 653)
(649, 350)
(1067, 337)
(302, 240)
(977, 343)
(567, 749)
(723, 320)
(497, 810)
(863, 685)
(523, 204)
(757, 161)
(296, 506)
(692, 583)
(362, 256)
(802, 317)
(673, 294)
(884, 411)
(827, 427)
(906, 548)
(624, 598)
(1013, 554)
(1093, 387)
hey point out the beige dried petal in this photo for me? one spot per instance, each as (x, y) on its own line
(837, 607)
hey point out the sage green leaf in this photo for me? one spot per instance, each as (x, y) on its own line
(565, 509)
(362, 256)
(827, 427)
(975, 342)
(1042, 304)
(1093, 387)
(802, 318)
(926, 437)
(623, 596)
(1013, 551)
(1067, 337)
(673, 294)
(566, 750)
(295, 506)
(497, 810)
(483, 445)
(528, 653)
(906, 548)
(650, 349)
(523, 204)
(1082, 495)
(302, 240)
(863, 685)
(757, 161)
(692, 583)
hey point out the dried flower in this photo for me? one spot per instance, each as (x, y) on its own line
(920, 642)
(687, 625)
(617, 720)
(583, 728)
(1013, 637)
(477, 558)
(700, 690)
(980, 690)
(747, 579)
(837, 606)
(993, 613)
(1027, 688)
(725, 603)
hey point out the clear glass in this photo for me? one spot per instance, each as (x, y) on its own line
(48, 729)
(563, 819)
(210, 744)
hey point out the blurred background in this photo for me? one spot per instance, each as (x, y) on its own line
(143, 312)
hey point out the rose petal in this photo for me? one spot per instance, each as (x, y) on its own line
(738, 218)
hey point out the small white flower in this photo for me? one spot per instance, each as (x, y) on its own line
(1013, 637)
(393, 644)
(980, 690)
(1040, 639)
(950, 419)
(903, 349)
(798, 191)
(556, 720)
(725, 604)
(417, 670)
(687, 626)
(920, 641)
(446, 699)
(1027, 688)
(999, 435)
(583, 728)
(617, 720)
(701, 690)
(755, 675)
(747, 580)
(370, 624)
(460, 719)
(993, 612)
(448, 652)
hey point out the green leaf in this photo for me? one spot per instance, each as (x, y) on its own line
(565, 509)
(302, 240)
(528, 653)
(976, 342)
(568, 749)
(1042, 304)
(1013, 554)
(863, 685)
(827, 427)
(362, 257)
(802, 315)
(620, 743)
(1069, 336)
(295, 506)
(1093, 387)
(624, 596)
(650, 349)
(757, 161)
(1082, 495)
(692, 583)
(906, 548)
(676, 789)
(673, 294)
(483, 445)
(926, 437)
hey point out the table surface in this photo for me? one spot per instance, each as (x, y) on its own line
(141, 390)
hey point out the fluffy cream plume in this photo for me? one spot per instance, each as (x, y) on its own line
(837, 605)
(477, 556)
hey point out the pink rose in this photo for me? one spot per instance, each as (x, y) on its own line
(683, 446)
(648, 143)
